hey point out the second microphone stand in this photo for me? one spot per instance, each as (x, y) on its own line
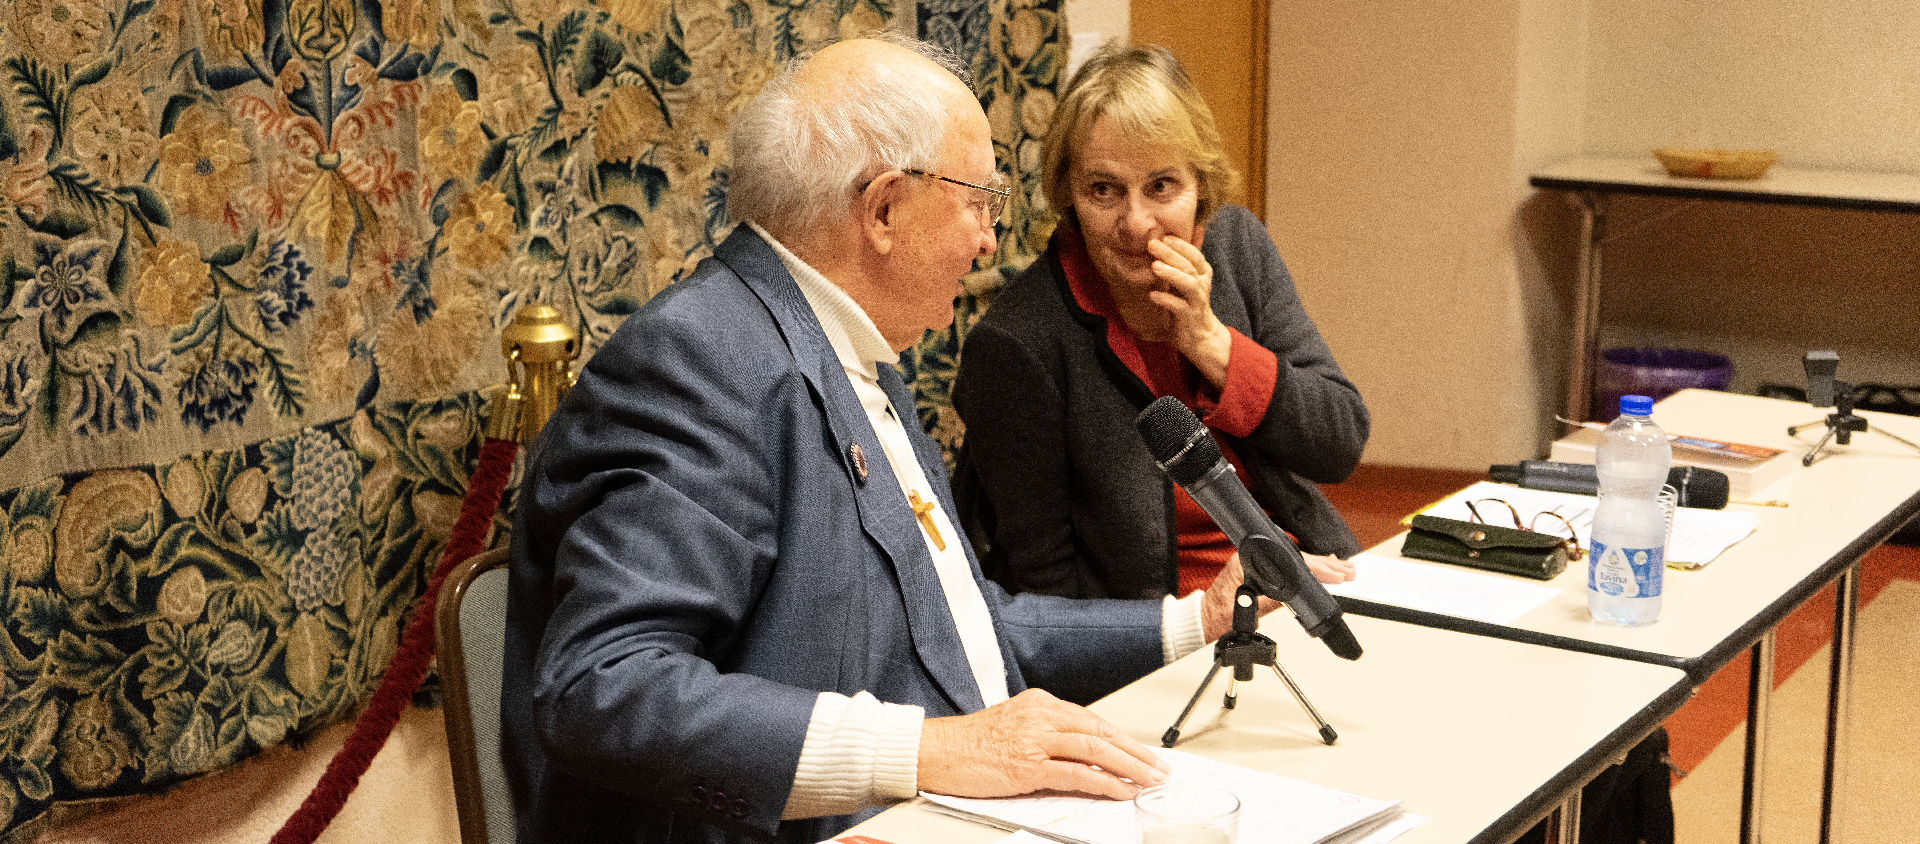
(1841, 425)
(1242, 648)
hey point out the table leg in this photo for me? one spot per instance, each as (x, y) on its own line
(1564, 823)
(1586, 304)
(1759, 690)
(1846, 599)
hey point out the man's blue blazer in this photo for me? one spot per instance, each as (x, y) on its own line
(696, 557)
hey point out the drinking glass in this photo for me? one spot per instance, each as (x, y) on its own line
(1186, 813)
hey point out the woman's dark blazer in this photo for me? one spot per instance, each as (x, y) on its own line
(1055, 486)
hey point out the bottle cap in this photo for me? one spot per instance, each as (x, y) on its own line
(1636, 406)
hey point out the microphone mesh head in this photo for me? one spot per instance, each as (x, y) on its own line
(1168, 428)
(1702, 488)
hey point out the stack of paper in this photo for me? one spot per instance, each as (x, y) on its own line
(1453, 590)
(1273, 809)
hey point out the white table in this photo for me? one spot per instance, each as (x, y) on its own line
(1591, 180)
(1482, 736)
(1841, 507)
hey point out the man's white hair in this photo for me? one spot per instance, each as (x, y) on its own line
(799, 161)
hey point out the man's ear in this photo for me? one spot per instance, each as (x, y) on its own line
(876, 209)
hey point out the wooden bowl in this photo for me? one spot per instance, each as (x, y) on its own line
(1716, 163)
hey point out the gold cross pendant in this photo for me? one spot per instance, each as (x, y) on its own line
(923, 510)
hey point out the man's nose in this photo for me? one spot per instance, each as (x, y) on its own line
(987, 241)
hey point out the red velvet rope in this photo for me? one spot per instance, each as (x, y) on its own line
(410, 661)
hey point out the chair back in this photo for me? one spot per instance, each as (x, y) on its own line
(470, 626)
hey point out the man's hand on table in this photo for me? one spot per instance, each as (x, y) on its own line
(1031, 742)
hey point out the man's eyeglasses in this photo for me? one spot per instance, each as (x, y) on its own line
(997, 195)
(1571, 541)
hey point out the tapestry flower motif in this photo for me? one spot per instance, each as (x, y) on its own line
(236, 647)
(68, 285)
(173, 282)
(434, 351)
(247, 495)
(514, 92)
(59, 30)
(481, 227)
(112, 132)
(107, 509)
(216, 389)
(203, 164)
(282, 291)
(409, 21)
(451, 140)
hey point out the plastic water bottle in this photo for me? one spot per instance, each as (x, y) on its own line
(1628, 559)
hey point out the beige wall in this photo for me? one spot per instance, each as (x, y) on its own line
(1393, 180)
(1401, 136)
(1091, 23)
(1829, 83)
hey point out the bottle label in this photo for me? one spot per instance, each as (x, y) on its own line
(1626, 572)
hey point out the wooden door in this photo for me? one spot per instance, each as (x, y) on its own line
(1223, 45)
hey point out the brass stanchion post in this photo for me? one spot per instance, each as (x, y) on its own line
(540, 348)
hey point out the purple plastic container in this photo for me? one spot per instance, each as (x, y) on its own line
(1655, 373)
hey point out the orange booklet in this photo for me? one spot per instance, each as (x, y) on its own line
(1732, 451)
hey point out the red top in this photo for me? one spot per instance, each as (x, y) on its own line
(1234, 410)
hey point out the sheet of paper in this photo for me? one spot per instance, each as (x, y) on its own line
(1018, 836)
(1273, 809)
(1393, 827)
(1442, 589)
(1697, 538)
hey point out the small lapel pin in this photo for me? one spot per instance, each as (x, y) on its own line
(859, 457)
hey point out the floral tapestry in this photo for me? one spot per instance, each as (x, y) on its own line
(255, 256)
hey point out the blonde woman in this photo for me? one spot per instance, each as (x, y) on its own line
(1151, 286)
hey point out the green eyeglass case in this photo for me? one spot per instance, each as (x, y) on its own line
(1541, 556)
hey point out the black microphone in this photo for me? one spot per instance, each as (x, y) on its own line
(1184, 450)
(1706, 489)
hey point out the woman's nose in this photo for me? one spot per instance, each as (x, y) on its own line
(1136, 219)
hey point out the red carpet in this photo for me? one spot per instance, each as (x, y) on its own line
(1377, 497)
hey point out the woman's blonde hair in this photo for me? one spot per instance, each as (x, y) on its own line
(1147, 97)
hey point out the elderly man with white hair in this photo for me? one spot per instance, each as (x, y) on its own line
(741, 609)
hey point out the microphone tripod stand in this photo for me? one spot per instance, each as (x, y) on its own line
(1242, 648)
(1841, 425)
